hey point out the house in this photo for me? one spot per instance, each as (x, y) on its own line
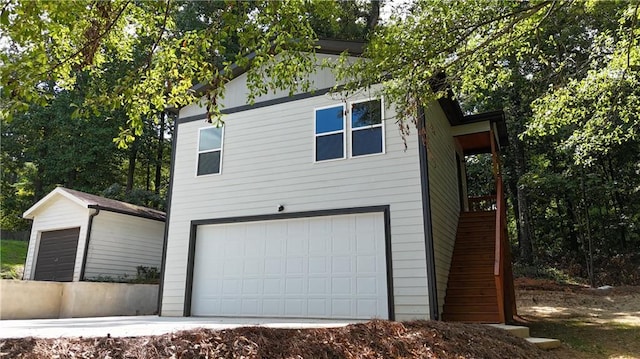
(78, 236)
(310, 206)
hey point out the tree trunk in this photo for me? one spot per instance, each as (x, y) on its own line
(374, 15)
(159, 153)
(524, 233)
(133, 154)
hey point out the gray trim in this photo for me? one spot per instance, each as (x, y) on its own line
(86, 243)
(114, 210)
(385, 209)
(256, 105)
(432, 286)
(172, 170)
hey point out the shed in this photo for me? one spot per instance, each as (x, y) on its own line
(79, 236)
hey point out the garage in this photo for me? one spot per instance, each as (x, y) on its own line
(329, 266)
(57, 255)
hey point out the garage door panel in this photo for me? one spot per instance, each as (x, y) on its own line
(57, 255)
(310, 267)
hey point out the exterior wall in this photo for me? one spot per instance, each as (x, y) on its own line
(59, 213)
(443, 191)
(119, 243)
(236, 91)
(268, 160)
(47, 300)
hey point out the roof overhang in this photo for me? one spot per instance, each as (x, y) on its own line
(473, 133)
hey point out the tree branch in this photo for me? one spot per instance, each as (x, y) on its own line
(531, 11)
(93, 41)
(473, 28)
(162, 31)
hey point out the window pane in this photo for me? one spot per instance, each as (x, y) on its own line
(208, 163)
(329, 147)
(329, 119)
(367, 141)
(366, 113)
(210, 138)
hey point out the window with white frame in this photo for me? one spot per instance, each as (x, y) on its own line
(361, 127)
(209, 150)
(330, 133)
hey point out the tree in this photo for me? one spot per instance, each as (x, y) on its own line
(564, 71)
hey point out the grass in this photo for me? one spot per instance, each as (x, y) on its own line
(12, 257)
(591, 340)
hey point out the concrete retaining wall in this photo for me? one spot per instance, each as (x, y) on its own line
(43, 300)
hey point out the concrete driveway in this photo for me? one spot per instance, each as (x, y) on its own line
(142, 325)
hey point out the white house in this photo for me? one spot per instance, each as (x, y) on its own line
(77, 236)
(310, 206)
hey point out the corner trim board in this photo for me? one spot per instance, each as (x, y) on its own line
(168, 216)
(434, 311)
(384, 209)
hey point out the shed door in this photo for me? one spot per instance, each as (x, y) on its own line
(317, 267)
(57, 255)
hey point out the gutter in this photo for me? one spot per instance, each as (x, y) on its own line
(86, 242)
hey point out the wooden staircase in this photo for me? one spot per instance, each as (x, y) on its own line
(472, 295)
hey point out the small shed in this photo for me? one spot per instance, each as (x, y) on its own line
(78, 236)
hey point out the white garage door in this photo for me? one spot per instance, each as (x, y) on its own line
(318, 267)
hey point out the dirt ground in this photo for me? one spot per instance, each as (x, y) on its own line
(603, 323)
(591, 323)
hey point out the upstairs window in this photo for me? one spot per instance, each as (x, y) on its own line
(209, 150)
(366, 128)
(330, 133)
(341, 134)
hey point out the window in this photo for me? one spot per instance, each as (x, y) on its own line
(209, 150)
(364, 128)
(330, 133)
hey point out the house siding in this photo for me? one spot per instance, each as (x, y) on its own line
(236, 91)
(268, 160)
(120, 243)
(443, 192)
(59, 213)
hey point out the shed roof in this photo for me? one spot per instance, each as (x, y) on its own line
(92, 201)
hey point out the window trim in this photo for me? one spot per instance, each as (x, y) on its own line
(381, 125)
(348, 130)
(199, 152)
(343, 131)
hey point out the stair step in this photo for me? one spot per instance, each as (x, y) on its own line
(469, 300)
(472, 317)
(453, 292)
(544, 343)
(516, 330)
(470, 308)
(476, 255)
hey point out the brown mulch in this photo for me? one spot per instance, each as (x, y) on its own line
(374, 339)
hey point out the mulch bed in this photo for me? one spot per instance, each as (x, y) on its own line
(374, 339)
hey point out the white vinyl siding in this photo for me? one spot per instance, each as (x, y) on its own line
(267, 163)
(443, 191)
(120, 243)
(59, 213)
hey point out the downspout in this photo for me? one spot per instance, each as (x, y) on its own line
(87, 239)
